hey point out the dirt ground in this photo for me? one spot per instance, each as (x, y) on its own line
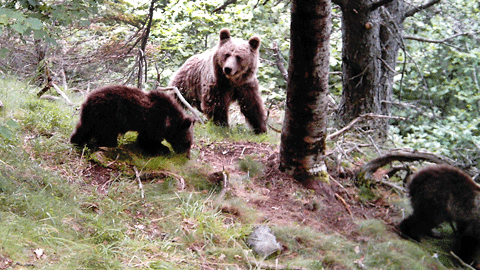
(283, 200)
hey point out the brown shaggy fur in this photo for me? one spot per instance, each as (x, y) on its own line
(213, 80)
(116, 109)
(443, 193)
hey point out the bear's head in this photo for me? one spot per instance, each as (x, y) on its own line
(180, 135)
(236, 59)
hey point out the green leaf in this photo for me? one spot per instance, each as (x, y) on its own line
(34, 23)
(20, 28)
(6, 132)
(13, 124)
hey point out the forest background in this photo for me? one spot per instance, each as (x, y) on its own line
(86, 44)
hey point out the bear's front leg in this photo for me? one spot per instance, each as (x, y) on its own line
(251, 106)
(215, 107)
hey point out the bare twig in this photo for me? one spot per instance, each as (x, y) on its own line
(224, 5)
(61, 93)
(347, 207)
(277, 266)
(182, 99)
(416, 9)
(461, 261)
(441, 41)
(358, 119)
(225, 186)
(392, 185)
(140, 186)
(64, 79)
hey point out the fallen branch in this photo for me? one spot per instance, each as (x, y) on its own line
(358, 119)
(392, 185)
(338, 197)
(61, 93)
(277, 266)
(182, 99)
(367, 170)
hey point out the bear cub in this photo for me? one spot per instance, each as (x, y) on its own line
(443, 193)
(113, 110)
(211, 81)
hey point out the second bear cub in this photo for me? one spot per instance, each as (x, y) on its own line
(443, 193)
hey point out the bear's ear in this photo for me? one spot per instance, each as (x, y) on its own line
(224, 34)
(254, 42)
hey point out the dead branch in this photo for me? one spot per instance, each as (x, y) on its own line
(392, 185)
(367, 170)
(224, 5)
(223, 192)
(51, 84)
(358, 119)
(49, 97)
(279, 61)
(140, 186)
(64, 79)
(461, 261)
(277, 266)
(374, 6)
(48, 85)
(347, 207)
(61, 93)
(182, 99)
(416, 9)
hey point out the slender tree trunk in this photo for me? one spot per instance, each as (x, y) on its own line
(142, 59)
(304, 129)
(391, 31)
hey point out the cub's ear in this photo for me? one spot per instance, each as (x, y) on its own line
(254, 42)
(224, 34)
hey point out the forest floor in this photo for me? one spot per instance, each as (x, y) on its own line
(278, 197)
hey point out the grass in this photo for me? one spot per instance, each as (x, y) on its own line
(48, 205)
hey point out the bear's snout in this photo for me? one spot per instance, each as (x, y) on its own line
(227, 70)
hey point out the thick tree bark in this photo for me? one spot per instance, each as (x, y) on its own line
(371, 35)
(361, 64)
(304, 129)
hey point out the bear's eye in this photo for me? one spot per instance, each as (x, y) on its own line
(239, 59)
(227, 55)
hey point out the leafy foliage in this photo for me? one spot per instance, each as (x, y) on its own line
(441, 83)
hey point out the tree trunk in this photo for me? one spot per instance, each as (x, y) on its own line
(304, 129)
(371, 35)
(361, 64)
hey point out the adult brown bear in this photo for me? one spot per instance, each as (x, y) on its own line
(443, 193)
(116, 109)
(211, 81)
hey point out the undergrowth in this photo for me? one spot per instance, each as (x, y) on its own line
(52, 217)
